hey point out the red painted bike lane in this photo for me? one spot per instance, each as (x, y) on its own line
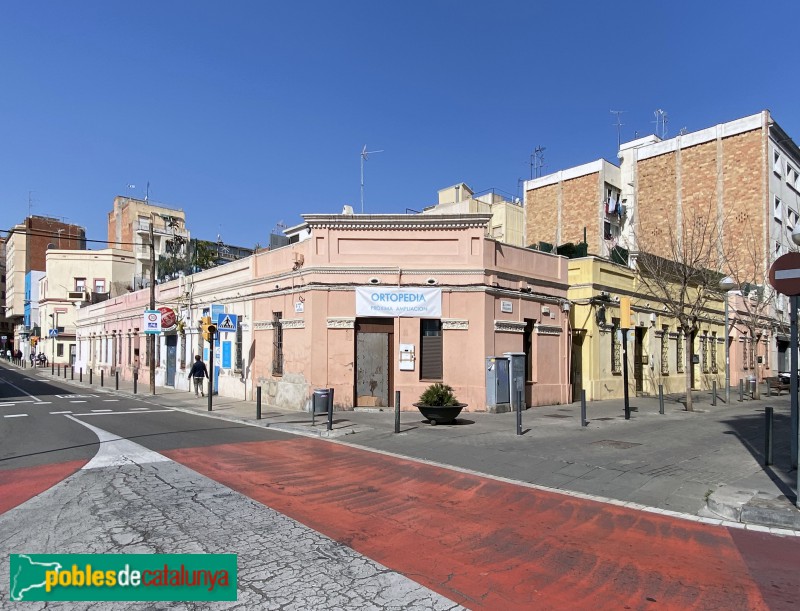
(20, 485)
(488, 544)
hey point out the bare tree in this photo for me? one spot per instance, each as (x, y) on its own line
(678, 265)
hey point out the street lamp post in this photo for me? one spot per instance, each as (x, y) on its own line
(726, 284)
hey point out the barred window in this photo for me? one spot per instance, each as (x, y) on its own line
(766, 354)
(714, 348)
(745, 360)
(679, 352)
(616, 347)
(238, 363)
(277, 344)
(704, 352)
(753, 350)
(664, 351)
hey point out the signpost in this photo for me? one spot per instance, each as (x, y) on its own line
(152, 322)
(784, 276)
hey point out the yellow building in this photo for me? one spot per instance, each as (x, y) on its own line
(655, 346)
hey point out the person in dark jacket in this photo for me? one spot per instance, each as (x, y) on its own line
(197, 373)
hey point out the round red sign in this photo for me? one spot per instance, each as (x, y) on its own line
(784, 275)
(168, 318)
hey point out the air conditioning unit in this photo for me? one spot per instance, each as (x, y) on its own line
(77, 296)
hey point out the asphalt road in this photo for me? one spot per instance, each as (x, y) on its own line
(324, 525)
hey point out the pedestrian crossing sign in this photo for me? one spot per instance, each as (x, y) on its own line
(227, 323)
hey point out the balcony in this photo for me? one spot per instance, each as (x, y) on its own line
(143, 227)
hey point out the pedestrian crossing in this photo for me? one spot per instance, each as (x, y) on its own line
(31, 407)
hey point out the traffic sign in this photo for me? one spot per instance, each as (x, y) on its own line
(227, 323)
(784, 275)
(152, 321)
(53, 333)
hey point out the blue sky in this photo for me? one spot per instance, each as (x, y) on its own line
(249, 113)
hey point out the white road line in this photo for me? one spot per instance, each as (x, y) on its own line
(22, 391)
(102, 410)
(60, 412)
(110, 400)
(138, 409)
(14, 415)
(14, 403)
(110, 413)
(45, 402)
(7, 404)
(77, 401)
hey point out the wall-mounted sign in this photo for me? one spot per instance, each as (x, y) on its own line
(410, 302)
(299, 307)
(169, 320)
(506, 307)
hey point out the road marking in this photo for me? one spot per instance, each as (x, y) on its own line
(139, 409)
(114, 451)
(77, 401)
(110, 413)
(14, 403)
(36, 399)
(100, 410)
(60, 412)
(110, 400)
(45, 402)
(14, 415)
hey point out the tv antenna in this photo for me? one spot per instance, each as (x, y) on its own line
(364, 154)
(618, 124)
(537, 162)
(661, 119)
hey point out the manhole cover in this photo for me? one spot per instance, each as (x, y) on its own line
(619, 445)
(557, 416)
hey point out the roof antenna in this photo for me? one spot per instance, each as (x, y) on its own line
(537, 162)
(618, 124)
(364, 154)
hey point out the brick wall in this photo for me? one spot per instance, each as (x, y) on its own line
(580, 207)
(656, 198)
(541, 215)
(44, 231)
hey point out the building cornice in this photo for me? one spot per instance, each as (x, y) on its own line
(391, 222)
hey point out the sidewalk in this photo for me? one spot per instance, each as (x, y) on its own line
(708, 463)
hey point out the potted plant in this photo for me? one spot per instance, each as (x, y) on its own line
(439, 404)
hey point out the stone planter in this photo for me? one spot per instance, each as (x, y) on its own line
(440, 413)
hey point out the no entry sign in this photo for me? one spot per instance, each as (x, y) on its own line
(784, 275)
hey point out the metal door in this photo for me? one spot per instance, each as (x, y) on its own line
(172, 354)
(374, 363)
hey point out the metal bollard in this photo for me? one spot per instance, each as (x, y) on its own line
(59, 370)
(65, 372)
(519, 412)
(72, 372)
(583, 408)
(80, 375)
(661, 399)
(741, 391)
(101, 378)
(397, 411)
(330, 410)
(258, 403)
(135, 381)
(713, 392)
(768, 436)
(90, 377)
(116, 380)
(52, 369)
(210, 390)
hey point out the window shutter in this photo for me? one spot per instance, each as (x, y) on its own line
(431, 363)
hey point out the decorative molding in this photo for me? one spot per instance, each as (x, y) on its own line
(263, 325)
(547, 329)
(293, 323)
(342, 323)
(396, 221)
(509, 326)
(454, 324)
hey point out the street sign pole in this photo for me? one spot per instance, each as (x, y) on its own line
(793, 383)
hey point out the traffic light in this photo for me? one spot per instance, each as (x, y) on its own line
(212, 332)
(205, 323)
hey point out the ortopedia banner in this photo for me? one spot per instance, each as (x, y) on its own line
(411, 302)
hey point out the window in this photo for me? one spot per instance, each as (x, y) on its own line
(714, 352)
(704, 352)
(664, 351)
(745, 360)
(59, 349)
(778, 210)
(776, 163)
(753, 350)
(99, 286)
(791, 219)
(766, 354)
(791, 176)
(430, 367)
(679, 352)
(80, 284)
(238, 363)
(277, 344)
(616, 347)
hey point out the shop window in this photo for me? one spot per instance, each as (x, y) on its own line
(277, 344)
(664, 350)
(431, 357)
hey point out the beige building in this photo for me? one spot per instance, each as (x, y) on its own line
(75, 278)
(129, 226)
(507, 224)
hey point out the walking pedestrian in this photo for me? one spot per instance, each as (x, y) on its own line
(197, 373)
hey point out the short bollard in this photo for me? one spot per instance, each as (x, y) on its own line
(116, 380)
(741, 391)
(713, 392)
(135, 381)
(768, 436)
(397, 411)
(330, 410)
(72, 372)
(661, 399)
(80, 375)
(519, 412)
(90, 377)
(65, 372)
(101, 378)
(52, 369)
(258, 403)
(583, 408)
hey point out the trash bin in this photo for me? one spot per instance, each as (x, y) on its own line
(751, 384)
(321, 400)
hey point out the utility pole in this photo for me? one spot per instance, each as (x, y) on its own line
(151, 338)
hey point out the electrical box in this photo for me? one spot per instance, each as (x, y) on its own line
(497, 385)
(407, 357)
(516, 378)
